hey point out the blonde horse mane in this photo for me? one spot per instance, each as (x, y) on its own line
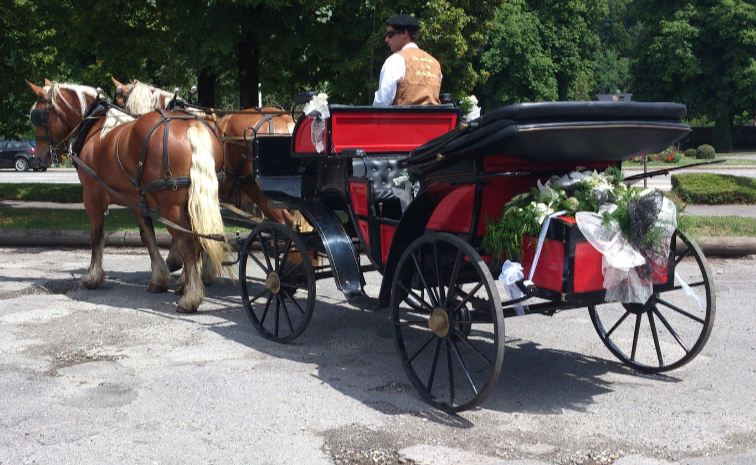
(114, 118)
(81, 91)
(144, 98)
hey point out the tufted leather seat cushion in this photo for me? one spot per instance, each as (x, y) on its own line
(381, 171)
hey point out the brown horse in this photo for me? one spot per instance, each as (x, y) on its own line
(236, 129)
(159, 161)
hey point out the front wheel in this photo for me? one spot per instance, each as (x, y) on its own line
(277, 281)
(21, 164)
(448, 322)
(672, 327)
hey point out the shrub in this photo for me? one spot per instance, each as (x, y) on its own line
(670, 155)
(714, 189)
(690, 153)
(705, 152)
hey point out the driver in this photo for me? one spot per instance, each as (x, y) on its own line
(410, 76)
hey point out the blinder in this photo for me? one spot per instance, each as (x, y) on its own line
(38, 117)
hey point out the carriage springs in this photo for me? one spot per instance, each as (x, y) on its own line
(695, 188)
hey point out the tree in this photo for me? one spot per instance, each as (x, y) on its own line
(700, 52)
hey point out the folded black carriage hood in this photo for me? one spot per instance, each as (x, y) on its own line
(559, 132)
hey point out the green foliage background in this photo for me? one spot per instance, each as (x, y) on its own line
(698, 52)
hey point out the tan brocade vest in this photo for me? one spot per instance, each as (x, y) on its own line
(422, 79)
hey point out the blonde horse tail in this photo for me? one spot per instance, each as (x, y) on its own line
(204, 209)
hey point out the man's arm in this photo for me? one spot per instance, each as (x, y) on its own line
(391, 73)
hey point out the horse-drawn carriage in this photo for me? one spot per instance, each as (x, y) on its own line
(415, 191)
(446, 307)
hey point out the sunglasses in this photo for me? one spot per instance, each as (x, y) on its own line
(391, 34)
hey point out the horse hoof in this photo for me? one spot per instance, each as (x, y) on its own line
(156, 289)
(180, 309)
(91, 284)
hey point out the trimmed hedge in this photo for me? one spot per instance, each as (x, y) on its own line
(705, 152)
(714, 189)
(690, 153)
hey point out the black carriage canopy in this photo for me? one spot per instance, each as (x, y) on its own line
(558, 132)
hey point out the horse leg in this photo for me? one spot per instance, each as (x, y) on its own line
(209, 274)
(174, 258)
(161, 277)
(95, 275)
(193, 291)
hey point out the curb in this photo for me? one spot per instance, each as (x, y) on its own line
(711, 246)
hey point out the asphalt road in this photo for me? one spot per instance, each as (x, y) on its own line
(115, 376)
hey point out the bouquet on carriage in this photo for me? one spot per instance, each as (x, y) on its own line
(631, 227)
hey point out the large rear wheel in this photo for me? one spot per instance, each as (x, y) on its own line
(672, 327)
(277, 281)
(448, 321)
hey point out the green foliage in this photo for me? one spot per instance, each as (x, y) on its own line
(717, 226)
(714, 189)
(691, 153)
(705, 152)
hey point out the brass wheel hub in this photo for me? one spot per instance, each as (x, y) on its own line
(439, 322)
(273, 282)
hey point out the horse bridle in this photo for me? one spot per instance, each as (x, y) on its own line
(40, 117)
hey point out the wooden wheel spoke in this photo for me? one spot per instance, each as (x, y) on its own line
(282, 276)
(432, 296)
(265, 311)
(264, 247)
(440, 296)
(472, 347)
(616, 325)
(416, 323)
(252, 300)
(635, 336)
(680, 310)
(284, 260)
(266, 269)
(453, 278)
(278, 315)
(467, 297)
(652, 324)
(695, 284)
(286, 314)
(417, 297)
(450, 369)
(434, 363)
(275, 250)
(464, 367)
(417, 352)
(680, 257)
(291, 297)
(669, 328)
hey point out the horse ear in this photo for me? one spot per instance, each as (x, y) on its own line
(48, 82)
(116, 83)
(36, 89)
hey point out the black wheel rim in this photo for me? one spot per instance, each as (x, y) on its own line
(673, 326)
(277, 282)
(448, 322)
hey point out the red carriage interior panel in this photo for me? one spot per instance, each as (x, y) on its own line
(387, 235)
(568, 265)
(387, 130)
(358, 191)
(454, 213)
(302, 144)
(588, 275)
(550, 269)
(364, 231)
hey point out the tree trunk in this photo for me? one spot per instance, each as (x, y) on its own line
(206, 88)
(722, 136)
(248, 63)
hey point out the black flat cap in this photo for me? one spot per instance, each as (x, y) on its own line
(403, 21)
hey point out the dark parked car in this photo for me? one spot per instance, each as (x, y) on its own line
(20, 154)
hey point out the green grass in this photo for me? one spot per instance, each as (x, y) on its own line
(63, 193)
(119, 219)
(718, 226)
(714, 189)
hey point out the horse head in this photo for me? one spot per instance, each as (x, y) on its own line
(139, 98)
(56, 114)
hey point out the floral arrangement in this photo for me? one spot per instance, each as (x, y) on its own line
(469, 107)
(632, 210)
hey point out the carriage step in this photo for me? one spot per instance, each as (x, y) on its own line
(364, 302)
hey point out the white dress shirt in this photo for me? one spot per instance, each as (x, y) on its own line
(391, 73)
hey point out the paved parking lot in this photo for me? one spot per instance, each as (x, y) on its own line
(115, 376)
